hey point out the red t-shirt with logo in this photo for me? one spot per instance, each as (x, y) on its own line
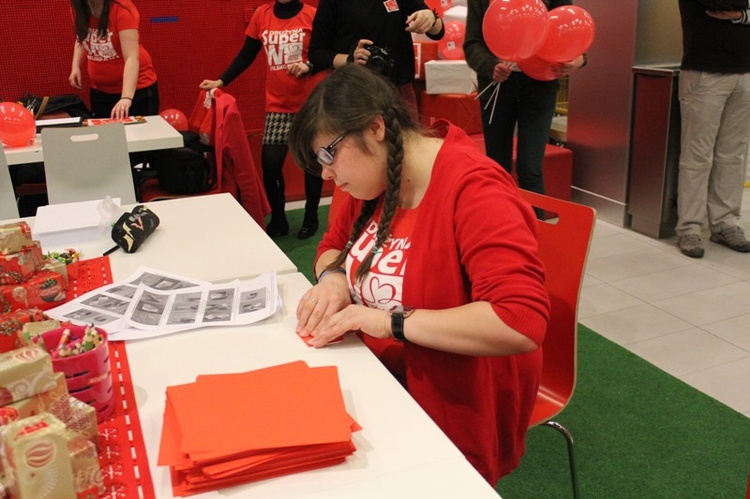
(382, 287)
(285, 41)
(105, 61)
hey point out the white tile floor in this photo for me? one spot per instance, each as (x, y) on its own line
(689, 317)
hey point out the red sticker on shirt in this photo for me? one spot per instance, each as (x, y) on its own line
(391, 5)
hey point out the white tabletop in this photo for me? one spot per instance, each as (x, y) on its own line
(155, 133)
(203, 237)
(400, 453)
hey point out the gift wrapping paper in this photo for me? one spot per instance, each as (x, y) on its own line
(24, 372)
(36, 450)
(12, 324)
(14, 236)
(44, 290)
(20, 266)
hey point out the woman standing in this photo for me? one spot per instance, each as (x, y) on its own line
(283, 28)
(451, 300)
(122, 77)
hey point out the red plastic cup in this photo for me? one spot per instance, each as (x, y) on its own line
(87, 375)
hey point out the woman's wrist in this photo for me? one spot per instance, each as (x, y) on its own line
(126, 98)
(335, 270)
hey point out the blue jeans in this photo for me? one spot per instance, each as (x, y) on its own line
(530, 104)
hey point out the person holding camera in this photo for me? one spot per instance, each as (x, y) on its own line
(452, 301)
(376, 34)
(282, 28)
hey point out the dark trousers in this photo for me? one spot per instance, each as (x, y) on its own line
(529, 104)
(272, 160)
(145, 102)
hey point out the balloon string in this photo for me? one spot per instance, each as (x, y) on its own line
(492, 84)
(493, 99)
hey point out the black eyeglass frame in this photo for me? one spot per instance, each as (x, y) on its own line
(325, 154)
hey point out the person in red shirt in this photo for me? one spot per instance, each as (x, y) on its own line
(121, 73)
(433, 259)
(283, 28)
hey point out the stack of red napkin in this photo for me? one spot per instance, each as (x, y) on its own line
(227, 429)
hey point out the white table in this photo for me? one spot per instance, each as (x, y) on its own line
(203, 237)
(154, 134)
(401, 453)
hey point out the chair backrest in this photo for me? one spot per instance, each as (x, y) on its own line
(564, 239)
(88, 163)
(8, 206)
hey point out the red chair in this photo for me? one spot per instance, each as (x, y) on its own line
(564, 239)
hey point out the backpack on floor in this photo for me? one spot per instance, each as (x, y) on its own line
(185, 170)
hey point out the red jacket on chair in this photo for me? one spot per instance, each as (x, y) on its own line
(235, 167)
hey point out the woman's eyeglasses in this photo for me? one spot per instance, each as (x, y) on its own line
(325, 154)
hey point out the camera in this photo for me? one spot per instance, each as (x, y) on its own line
(381, 61)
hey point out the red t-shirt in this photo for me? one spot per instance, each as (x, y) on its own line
(105, 61)
(382, 287)
(285, 41)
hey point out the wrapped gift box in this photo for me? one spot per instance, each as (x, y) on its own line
(43, 290)
(20, 266)
(449, 77)
(460, 109)
(36, 449)
(54, 401)
(84, 462)
(424, 52)
(14, 237)
(25, 372)
(12, 324)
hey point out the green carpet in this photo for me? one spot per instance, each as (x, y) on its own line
(639, 432)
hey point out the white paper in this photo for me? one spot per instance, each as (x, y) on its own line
(65, 225)
(152, 303)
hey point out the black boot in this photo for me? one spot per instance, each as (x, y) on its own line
(278, 226)
(309, 226)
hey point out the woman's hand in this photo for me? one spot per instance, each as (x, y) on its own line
(564, 68)
(75, 78)
(725, 15)
(121, 109)
(211, 84)
(361, 55)
(320, 302)
(371, 321)
(502, 71)
(421, 21)
(298, 69)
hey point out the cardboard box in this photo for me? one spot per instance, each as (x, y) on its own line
(460, 109)
(449, 77)
(423, 52)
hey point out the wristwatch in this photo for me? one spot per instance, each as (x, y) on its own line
(397, 324)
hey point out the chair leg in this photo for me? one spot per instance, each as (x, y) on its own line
(571, 460)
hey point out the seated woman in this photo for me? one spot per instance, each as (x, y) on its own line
(433, 260)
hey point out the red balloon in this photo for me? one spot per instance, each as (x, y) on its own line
(451, 46)
(17, 125)
(176, 118)
(537, 68)
(446, 4)
(569, 34)
(515, 29)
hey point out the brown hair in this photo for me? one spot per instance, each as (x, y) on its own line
(81, 15)
(348, 100)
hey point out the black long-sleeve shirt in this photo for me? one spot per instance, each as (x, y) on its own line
(340, 24)
(714, 45)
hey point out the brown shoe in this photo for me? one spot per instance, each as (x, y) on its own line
(691, 245)
(733, 238)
